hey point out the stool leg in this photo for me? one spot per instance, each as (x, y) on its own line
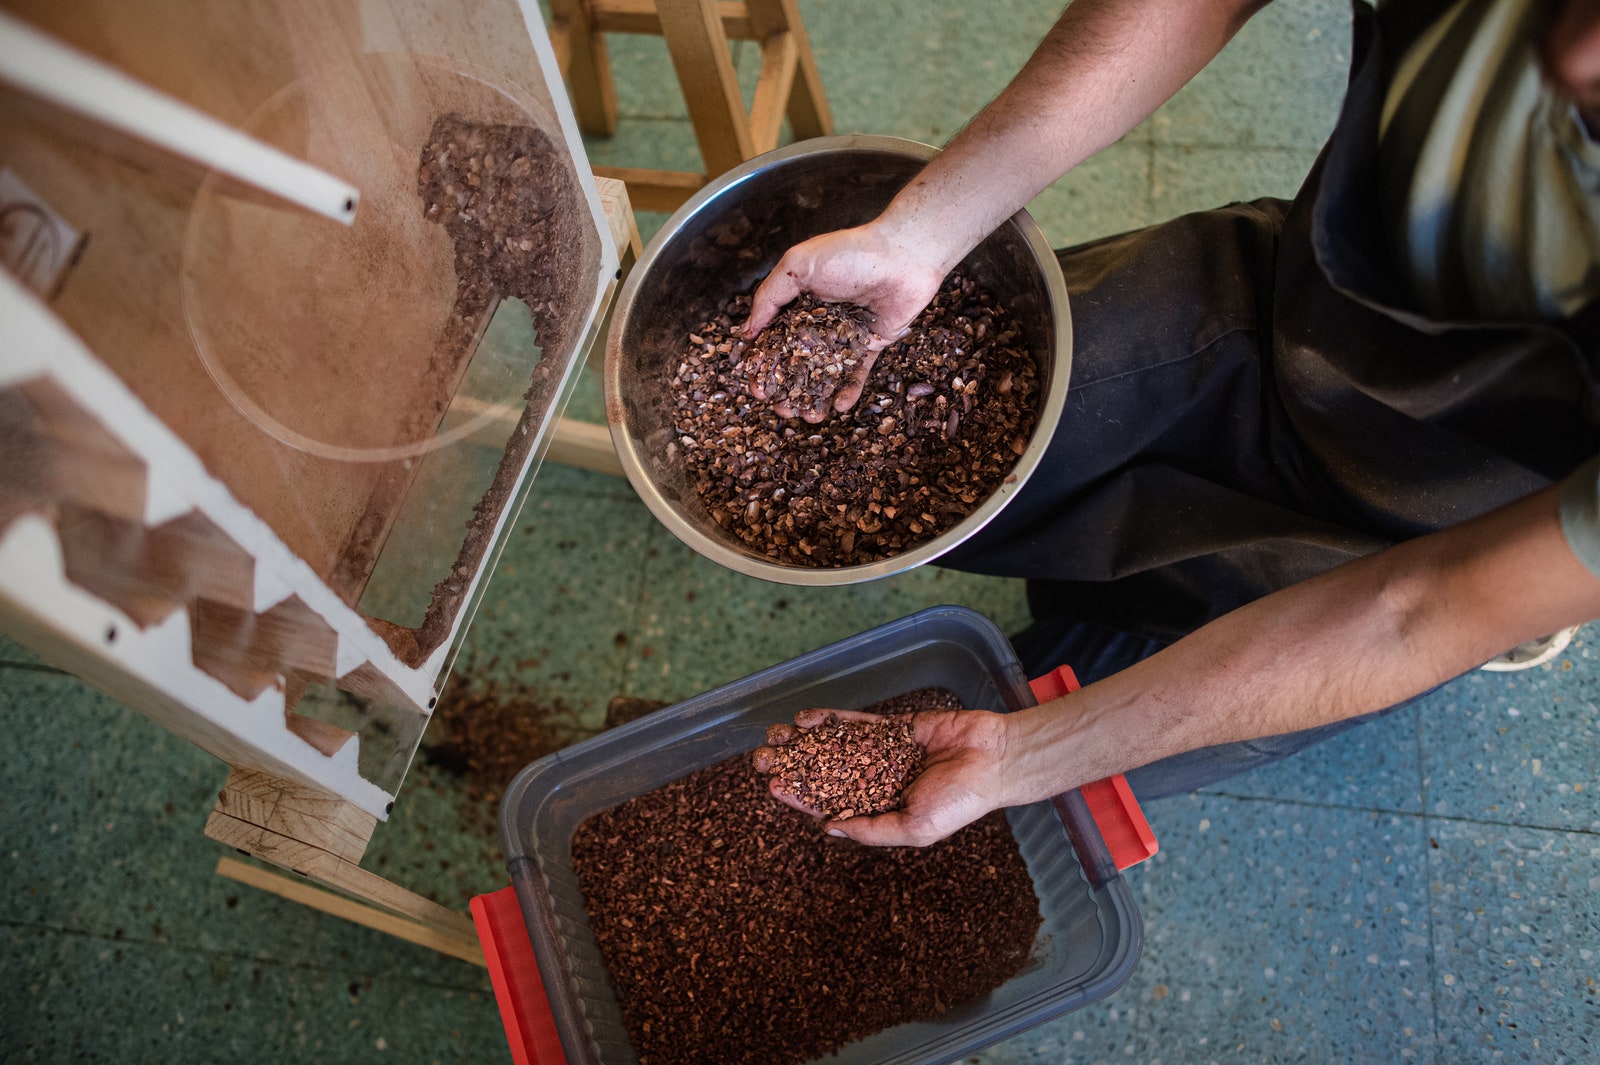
(808, 104)
(700, 55)
(587, 67)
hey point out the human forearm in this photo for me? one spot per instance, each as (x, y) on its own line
(1357, 639)
(1103, 68)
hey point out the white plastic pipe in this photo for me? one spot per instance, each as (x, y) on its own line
(42, 66)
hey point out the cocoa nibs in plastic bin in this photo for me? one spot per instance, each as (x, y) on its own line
(807, 353)
(845, 768)
(735, 931)
(944, 416)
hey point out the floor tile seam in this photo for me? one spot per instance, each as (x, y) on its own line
(1430, 869)
(1152, 183)
(1247, 148)
(627, 665)
(622, 493)
(34, 667)
(642, 116)
(1433, 916)
(1399, 812)
(235, 955)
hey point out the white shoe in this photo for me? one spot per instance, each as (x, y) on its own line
(1533, 653)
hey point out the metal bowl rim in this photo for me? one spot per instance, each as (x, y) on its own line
(723, 553)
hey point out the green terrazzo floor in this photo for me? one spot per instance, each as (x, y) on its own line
(1423, 889)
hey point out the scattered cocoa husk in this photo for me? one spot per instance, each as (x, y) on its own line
(486, 733)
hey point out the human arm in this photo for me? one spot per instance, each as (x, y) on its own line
(1101, 69)
(1356, 639)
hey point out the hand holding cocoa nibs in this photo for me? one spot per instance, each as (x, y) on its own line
(947, 411)
(843, 769)
(735, 931)
(807, 354)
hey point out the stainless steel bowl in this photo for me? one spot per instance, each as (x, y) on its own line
(725, 240)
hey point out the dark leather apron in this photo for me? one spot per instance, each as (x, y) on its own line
(1253, 403)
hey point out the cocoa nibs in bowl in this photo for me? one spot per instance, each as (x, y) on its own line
(807, 353)
(945, 415)
(845, 768)
(736, 932)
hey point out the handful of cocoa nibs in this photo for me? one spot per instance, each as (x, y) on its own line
(808, 352)
(845, 768)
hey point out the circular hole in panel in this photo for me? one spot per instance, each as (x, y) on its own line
(349, 342)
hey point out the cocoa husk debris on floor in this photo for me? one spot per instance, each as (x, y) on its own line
(945, 414)
(736, 932)
(486, 733)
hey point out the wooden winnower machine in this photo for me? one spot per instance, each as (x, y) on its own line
(295, 291)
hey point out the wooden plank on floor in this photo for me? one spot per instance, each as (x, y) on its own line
(469, 950)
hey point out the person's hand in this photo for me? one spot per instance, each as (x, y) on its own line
(961, 779)
(864, 266)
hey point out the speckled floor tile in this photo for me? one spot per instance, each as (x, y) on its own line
(1110, 193)
(362, 1014)
(918, 70)
(1520, 747)
(123, 944)
(566, 586)
(105, 1001)
(1278, 84)
(1516, 914)
(106, 838)
(96, 797)
(646, 83)
(1197, 179)
(1273, 933)
(1326, 910)
(652, 143)
(29, 954)
(1373, 766)
(701, 625)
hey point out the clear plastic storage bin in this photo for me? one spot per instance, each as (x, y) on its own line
(1086, 947)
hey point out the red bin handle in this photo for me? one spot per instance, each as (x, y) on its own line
(1116, 812)
(514, 972)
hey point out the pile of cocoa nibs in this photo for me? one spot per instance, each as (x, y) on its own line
(844, 768)
(944, 416)
(737, 933)
(808, 352)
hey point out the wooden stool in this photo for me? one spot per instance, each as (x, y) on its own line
(697, 33)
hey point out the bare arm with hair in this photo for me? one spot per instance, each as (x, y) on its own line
(1103, 67)
(1356, 639)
